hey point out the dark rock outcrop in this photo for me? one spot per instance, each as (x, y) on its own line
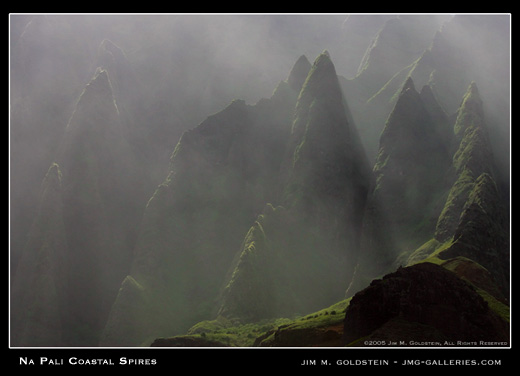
(420, 297)
(475, 274)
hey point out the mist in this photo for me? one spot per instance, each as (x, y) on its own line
(183, 68)
(156, 143)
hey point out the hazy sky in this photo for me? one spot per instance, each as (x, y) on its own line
(186, 67)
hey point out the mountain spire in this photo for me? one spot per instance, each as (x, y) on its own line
(324, 146)
(408, 171)
(408, 85)
(39, 286)
(299, 256)
(299, 73)
(472, 158)
(470, 113)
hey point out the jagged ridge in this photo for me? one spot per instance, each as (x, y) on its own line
(222, 173)
(296, 258)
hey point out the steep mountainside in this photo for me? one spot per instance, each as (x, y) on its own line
(38, 296)
(44, 87)
(407, 183)
(96, 209)
(330, 211)
(399, 43)
(464, 48)
(473, 222)
(221, 175)
(472, 158)
(474, 213)
(410, 306)
(298, 257)
(277, 270)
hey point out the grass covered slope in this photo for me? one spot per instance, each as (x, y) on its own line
(320, 328)
(470, 259)
(473, 222)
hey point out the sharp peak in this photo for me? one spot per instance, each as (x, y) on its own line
(428, 96)
(299, 73)
(107, 45)
(472, 94)
(322, 70)
(100, 72)
(99, 82)
(302, 59)
(324, 56)
(98, 87)
(427, 89)
(408, 84)
(323, 63)
(53, 173)
(471, 103)
(472, 88)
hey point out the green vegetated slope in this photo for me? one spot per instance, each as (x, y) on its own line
(270, 212)
(408, 182)
(469, 239)
(298, 257)
(473, 214)
(321, 328)
(223, 173)
(468, 250)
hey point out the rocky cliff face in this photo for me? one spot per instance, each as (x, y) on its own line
(481, 234)
(472, 158)
(298, 257)
(327, 165)
(407, 182)
(472, 245)
(225, 171)
(267, 210)
(221, 175)
(411, 163)
(423, 303)
(474, 216)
